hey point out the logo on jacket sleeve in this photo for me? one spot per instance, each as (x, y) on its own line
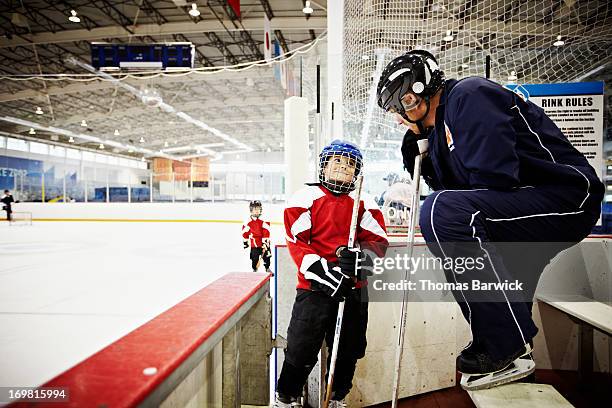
(449, 138)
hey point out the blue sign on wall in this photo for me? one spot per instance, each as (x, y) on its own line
(12, 167)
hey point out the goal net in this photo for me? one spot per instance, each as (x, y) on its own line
(525, 41)
(21, 218)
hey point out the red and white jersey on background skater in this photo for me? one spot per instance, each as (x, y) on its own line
(317, 222)
(256, 231)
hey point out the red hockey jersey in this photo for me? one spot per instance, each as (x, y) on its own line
(317, 222)
(256, 232)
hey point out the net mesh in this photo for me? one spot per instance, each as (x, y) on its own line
(527, 42)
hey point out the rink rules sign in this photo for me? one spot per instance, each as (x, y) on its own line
(577, 109)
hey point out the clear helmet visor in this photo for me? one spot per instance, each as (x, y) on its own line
(410, 101)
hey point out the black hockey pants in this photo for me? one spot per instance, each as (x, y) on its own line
(313, 319)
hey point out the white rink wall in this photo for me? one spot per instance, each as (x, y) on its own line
(235, 211)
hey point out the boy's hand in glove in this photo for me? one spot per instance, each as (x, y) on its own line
(329, 279)
(354, 263)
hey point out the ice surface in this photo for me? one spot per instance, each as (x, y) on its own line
(68, 289)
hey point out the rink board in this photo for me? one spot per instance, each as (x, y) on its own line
(429, 348)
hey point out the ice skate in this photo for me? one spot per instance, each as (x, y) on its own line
(479, 371)
(286, 402)
(338, 404)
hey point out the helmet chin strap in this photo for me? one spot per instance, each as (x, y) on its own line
(419, 122)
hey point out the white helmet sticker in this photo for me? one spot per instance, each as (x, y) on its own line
(398, 73)
(432, 64)
(418, 87)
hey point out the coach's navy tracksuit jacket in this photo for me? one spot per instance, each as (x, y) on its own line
(503, 172)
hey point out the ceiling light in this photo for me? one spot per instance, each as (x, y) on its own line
(269, 150)
(165, 144)
(307, 9)
(142, 158)
(194, 12)
(39, 111)
(512, 76)
(365, 57)
(101, 146)
(449, 36)
(559, 42)
(32, 131)
(116, 132)
(130, 150)
(71, 139)
(142, 139)
(74, 17)
(83, 123)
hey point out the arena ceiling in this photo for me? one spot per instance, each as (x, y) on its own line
(37, 37)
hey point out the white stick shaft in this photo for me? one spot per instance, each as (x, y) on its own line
(414, 213)
(340, 315)
(355, 214)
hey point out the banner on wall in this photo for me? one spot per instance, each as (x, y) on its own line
(196, 170)
(14, 170)
(267, 39)
(577, 109)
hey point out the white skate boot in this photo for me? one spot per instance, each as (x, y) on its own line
(286, 402)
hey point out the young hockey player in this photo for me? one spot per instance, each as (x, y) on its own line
(317, 224)
(503, 172)
(256, 235)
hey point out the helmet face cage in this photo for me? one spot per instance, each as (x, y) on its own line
(255, 208)
(338, 169)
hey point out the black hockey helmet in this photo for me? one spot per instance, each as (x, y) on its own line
(254, 206)
(416, 71)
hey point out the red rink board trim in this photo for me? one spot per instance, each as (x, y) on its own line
(113, 377)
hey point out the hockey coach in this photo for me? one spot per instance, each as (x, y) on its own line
(501, 171)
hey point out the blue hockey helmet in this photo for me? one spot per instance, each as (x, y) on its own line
(340, 181)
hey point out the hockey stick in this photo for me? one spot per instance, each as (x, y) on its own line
(414, 212)
(340, 315)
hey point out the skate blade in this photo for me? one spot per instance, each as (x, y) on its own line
(519, 368)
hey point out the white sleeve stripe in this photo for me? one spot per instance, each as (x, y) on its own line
(303, 223)
(246, 228)
(369, 223)
(304, 197)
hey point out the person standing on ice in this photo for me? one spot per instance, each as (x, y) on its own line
(317, 224)
(256, 235)
(502, 171)
(7, 201)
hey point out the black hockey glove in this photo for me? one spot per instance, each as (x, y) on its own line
(410, 150)
(329, 279)
(355, 263)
